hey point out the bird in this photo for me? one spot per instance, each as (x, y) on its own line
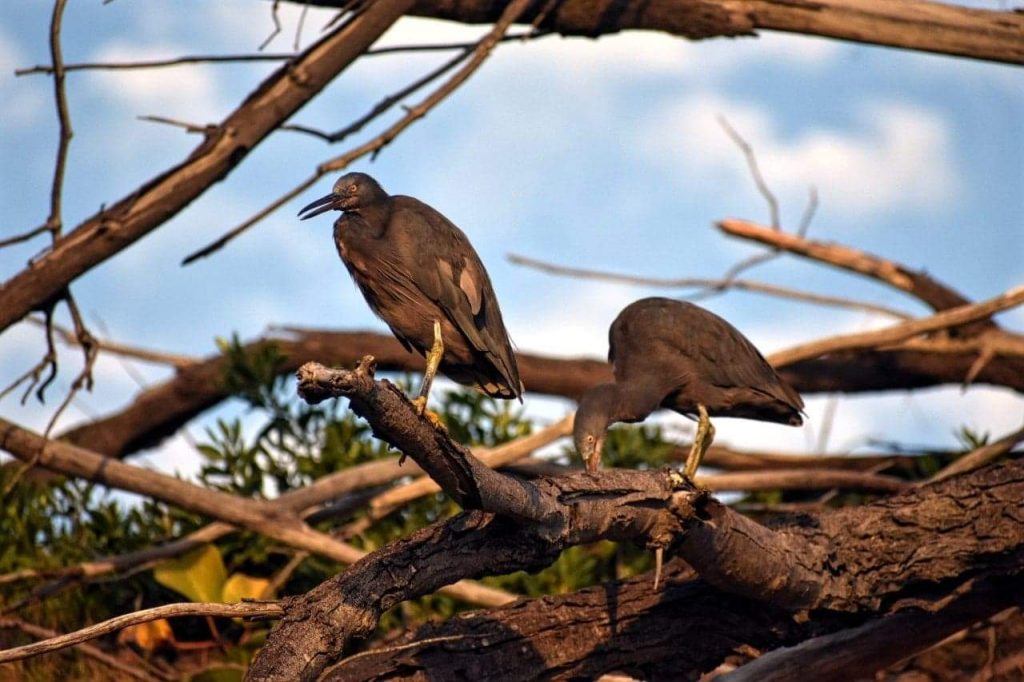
(676, 355)
(419, 273)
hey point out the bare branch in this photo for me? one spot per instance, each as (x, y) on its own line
(248, 610)
(755, 171)
(280, 523)
(952, 317)
(935, 294)
(910, 24)
(723, 283)
(376, 145)
(145, 209)
(132, 670)
(121, 349)
(54, 222)
(981, 456)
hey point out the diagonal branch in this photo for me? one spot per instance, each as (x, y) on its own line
(116, 227)
(374, 146)
(276, 521)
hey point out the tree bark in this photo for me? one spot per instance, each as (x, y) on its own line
(158, 412)
(905, 551)
(910, 24)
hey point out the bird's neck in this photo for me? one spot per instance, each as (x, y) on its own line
(634, 402)
(372, 220)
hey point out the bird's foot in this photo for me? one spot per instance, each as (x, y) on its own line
(420, 405)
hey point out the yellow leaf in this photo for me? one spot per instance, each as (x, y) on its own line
(240, 586)
(147, 636)
(199, 575)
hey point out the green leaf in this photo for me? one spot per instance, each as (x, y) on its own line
(199, 575)
(240, 586)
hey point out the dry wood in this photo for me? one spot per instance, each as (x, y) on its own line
(792, 567)
(240, 610)
(909, 24)
(278, 522)
(125, 221)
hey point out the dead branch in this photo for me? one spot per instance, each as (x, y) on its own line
(116, 227)
(787, 567)
(278, 522)
(249, 610)
(913, 24)
(947, 319)
(161, 410)
(32, 630)
(920, 285)
(708, 283)
(374, 146)
(120, 349)
(981, 456)
(802, 479)
(858, 652)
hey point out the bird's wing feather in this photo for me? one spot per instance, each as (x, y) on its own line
(449, 272)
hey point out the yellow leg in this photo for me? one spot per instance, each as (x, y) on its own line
(701, 442)
(433, 361)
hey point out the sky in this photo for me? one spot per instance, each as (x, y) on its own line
(603, 154)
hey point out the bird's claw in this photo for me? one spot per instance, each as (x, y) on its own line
(420, 405)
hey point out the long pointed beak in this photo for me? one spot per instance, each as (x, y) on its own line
(321, 205)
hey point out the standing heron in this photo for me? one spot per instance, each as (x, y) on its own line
(419, 273)
(675, 355)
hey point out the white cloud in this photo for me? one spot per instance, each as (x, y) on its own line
(898, 156)
(189, 93)
(21, 99)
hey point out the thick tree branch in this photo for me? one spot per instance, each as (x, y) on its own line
(833, 562)
(129, 219)
(276, 521)
(910, 24)
(159, 411)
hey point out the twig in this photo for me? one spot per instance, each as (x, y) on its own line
(981, 456)
(189, 127)
(31, 234)
(298, 27)
(39, 632)
(234, 58)
(54, 222)
(383, 651)
(384, 105)
(933, 293)
(946, 319)
(755, 170)
(249, 610)
(124, 350)
(277, 24)
(376, 145)
(802, 479)
(686, 282)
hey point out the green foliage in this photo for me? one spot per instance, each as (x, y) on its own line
(52, 525)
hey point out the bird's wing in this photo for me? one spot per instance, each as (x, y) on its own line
(449, 272)
(726, 358)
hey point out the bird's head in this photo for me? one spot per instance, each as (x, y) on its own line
(592, 418)
(351, 192)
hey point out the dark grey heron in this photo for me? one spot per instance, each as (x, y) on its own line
(419, 273)
(675, 355)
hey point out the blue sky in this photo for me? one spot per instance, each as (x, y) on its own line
(602, 154)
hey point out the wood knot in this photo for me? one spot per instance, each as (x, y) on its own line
(367, 366)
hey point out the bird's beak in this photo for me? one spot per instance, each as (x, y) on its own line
(321, 205)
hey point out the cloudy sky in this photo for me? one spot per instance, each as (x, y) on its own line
(602, 154)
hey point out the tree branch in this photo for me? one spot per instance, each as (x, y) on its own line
(910, 24)
(131, 218)
(241, 610)
(832, 562)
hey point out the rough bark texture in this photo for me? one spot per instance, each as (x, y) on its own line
(906, 551)
(911, 24)
(158, 412)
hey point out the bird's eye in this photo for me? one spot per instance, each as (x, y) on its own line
(352, 189)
